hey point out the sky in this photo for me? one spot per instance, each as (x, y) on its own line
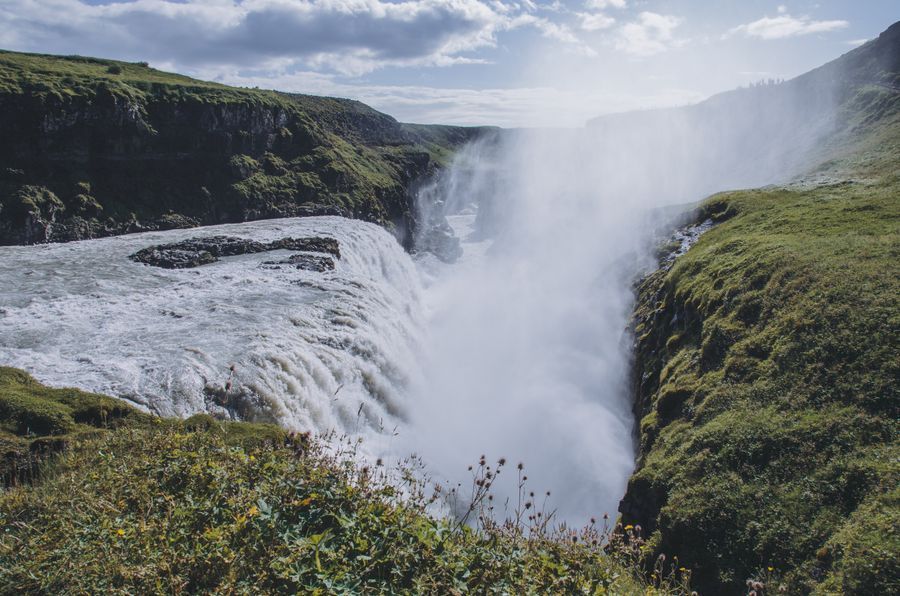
(470, 62)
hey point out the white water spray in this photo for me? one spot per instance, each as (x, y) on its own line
(314, 351)
(520, 350)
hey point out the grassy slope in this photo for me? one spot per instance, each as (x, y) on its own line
(114, 143)
(770, 361)
(137, 504)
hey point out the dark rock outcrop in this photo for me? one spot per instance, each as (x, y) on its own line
(314, 244)
(202, 251)
(90, 152)
(306, 262)
(440, 240)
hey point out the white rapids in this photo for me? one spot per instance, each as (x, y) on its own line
(320, 351)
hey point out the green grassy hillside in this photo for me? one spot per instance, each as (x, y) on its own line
(768, 365)
(131, 503)
(93, 147)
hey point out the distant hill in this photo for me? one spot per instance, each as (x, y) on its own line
(766, 357)
(92, 147)
(765, 133)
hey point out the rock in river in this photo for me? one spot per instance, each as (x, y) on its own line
(202, 251)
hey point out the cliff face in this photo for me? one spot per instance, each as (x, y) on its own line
(94, 147)
(766, 370)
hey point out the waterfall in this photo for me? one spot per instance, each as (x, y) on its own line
(311, 350)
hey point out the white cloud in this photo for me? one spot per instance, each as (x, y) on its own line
(555, 6)
(782, 9)
(604, 4)
(510, 107)
(556, 31)
(784, 26)
(595, 21)
(651, 34)
(350, 36)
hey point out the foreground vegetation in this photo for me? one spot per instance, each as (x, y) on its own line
(769, 363)
(131, 503)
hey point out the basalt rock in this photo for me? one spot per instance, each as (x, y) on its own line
(315, 244)
(202, 251)
(134, 149)
(302, 261)
(440, 241)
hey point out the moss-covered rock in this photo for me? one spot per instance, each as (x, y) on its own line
(767, 394)
(148, 505)
(158, 145)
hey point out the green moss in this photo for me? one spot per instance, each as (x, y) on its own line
(30, 199)
(31, 409)
(769, 426)
(156, 506)
(154, 144)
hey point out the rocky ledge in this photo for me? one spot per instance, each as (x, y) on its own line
(202, 251)
(318, 263)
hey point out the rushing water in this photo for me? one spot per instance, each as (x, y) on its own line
(518, 350)
(332, 350)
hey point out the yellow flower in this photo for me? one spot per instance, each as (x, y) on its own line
(120, 532)
(771, 569)
(629, 527)
(252, 458)
(254, 510)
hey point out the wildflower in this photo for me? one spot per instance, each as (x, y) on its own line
(771, 569)
(502, 461)
(120, 532)
(520, 465)
(629, 527)
(254, 510)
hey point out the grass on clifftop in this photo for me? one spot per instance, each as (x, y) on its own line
(100, 147)
(43, 75)
(147, 505)
(770, 436)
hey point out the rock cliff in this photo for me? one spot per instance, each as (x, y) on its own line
(93, 147)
